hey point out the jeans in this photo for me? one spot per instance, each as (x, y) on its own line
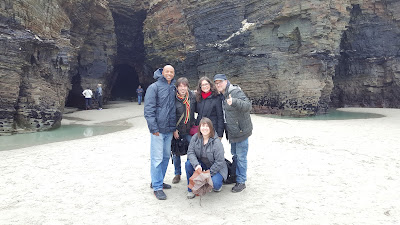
(176, 160)
(88, 102)
(139, 99)
(216, 179)
(160, 150)
(100, 101)
(239, 151)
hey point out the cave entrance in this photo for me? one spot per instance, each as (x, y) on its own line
(75, 98)
(126, 83)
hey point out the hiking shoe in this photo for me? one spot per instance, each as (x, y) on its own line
(217, 190)
(238, 187)
(164, 186)
(160, 195)
(176, 179)
(190, 195)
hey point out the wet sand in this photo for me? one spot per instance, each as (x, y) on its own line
(299, 172)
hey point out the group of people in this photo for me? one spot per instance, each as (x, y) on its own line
(89, 95)
(170, 108)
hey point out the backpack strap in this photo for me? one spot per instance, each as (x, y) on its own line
(180, 119)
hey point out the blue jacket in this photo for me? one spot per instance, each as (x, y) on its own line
(159, 105)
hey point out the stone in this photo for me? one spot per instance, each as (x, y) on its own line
(290, 57)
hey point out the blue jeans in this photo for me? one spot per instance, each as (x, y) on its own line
(160, 150)
(216, 179)
(88, 102)
(177, 159)
(139, 99)
(239, 151)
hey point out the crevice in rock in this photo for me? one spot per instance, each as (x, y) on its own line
(75, 98)
(129, 61)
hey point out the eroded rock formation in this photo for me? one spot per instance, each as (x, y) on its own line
(368, 72)
(290, 57)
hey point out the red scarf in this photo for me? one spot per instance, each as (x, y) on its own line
(185, 102)
(205, 95)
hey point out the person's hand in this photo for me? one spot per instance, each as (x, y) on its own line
(220, 138)
(198, 167)
(229, 100)
(176, 134)
(156, 133)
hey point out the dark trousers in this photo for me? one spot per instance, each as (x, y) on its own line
(100, 101)
(88, 102)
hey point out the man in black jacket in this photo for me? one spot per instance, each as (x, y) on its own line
(238, 125)
(159, 111)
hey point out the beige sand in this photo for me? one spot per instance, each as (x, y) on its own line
(299, 172)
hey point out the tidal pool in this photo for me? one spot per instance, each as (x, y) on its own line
(64, 133)
(333, 114)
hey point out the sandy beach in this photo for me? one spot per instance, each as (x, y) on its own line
(299, 172)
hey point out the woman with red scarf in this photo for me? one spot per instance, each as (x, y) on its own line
(209, 105)
(185, 103)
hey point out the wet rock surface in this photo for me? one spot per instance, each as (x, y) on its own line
(290, 57)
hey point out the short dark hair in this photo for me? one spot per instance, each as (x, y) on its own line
(207, 121)
(182, 80)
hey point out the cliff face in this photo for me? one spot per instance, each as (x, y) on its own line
(290, 57)
(34, 65)
(44, 46)
(282, 53)
(368, 72)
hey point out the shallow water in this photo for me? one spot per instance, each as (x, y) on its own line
(64, 133)
(333, 114)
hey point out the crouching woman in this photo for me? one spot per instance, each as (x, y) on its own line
(206, 152)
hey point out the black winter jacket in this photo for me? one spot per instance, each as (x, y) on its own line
(211, 107)
(181, 108)
(159, 105)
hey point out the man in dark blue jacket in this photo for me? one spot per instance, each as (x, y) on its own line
(159, 111)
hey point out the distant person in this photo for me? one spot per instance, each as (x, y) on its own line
(88, 97)
(99, 96)
(238, 125)
(139, 92)
(209, 105)
(159, 111)
(185, 103)
(206, 152)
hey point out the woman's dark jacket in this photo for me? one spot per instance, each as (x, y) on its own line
(211, 107)
(181, 108)
(159, 105)
(214, 152)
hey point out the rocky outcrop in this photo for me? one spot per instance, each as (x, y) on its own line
(44, 45)
(282, 53)
(368, 72)
(290, 57)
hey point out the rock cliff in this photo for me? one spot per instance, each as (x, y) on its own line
(290, 57)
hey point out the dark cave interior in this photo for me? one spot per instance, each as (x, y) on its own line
(125, 84)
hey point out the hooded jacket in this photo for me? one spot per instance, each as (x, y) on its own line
(159, 105)
(214, 151)
(237, 116)
(183, 128)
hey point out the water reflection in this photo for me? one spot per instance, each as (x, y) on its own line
(64, 133)
(333, 114)
(88, 132)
